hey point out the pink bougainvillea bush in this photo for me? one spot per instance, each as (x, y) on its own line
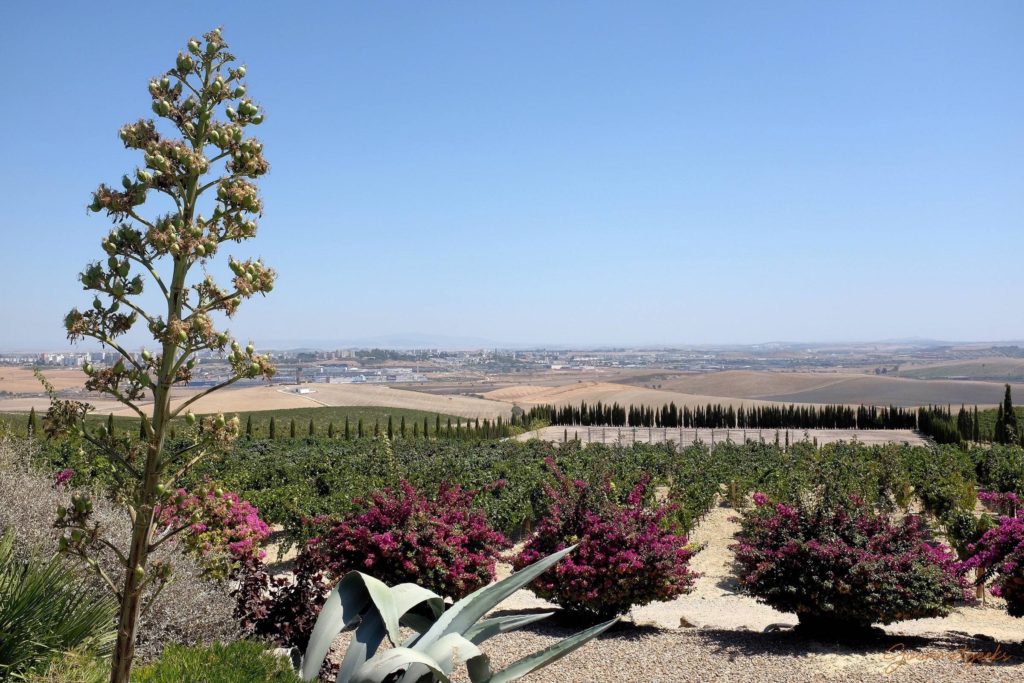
(1000, 554)
(628, 553)
(223, 531)
(441, 543)
(1003, 503)
(846, 567)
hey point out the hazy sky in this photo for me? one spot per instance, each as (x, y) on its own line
(559, 172)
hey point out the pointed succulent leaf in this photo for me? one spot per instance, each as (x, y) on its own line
(487, 628)
(381, 667)
(365, 641)
(466, 612)
(551, 654)
(341, 610)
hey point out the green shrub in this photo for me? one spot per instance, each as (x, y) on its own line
(243, 661)
(73, 667)
(45, 610)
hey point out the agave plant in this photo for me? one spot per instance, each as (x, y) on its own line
(443, 639)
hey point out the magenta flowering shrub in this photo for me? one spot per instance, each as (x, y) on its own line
(223, 531)
(1002, 503)
(62, 477)
(441, 543)
(1000, 553)
(628, 554)
(843, 568)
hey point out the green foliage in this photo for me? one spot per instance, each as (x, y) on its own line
(76, 666)
(239, 662)
(46, 609)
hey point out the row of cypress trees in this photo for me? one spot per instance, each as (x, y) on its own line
(717, 416)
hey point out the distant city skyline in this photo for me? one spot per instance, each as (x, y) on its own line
(574, 174)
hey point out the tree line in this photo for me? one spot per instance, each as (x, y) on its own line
(717, 416)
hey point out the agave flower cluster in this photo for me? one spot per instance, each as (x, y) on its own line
(627, 554)
(223, 532)
(441, 543)
(844, 567)
(1000, 553)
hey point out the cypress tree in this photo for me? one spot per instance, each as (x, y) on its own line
(415, 430)
(437, 426)
(291, 429)
(402, 427)
(330, 430)
(348, 432)
(391, 428)
(33, 422)
(359, 428)
(376, 427)
(1009, 419)
(248, 427)
(142, 430)
(110, 421)
(312, 429)
(273, 428)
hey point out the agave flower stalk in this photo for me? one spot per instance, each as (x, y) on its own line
(204, 177)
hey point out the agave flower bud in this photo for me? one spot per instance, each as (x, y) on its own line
(230, 113)
(161, 490)
(87, 368)
(96, 303)
(154, 88)
(220, 420)
(165, 83)
(190, 418)
(185, 62)
(200, 250)
(193, 46)
(140, 572)
(183, 336)
(191, 363)
(143, 176)
(240, 72)
(234, 346)
(239, 91)
(146, 355)
(257, 120)
(250, 349)
(211, 49)
(222, 339)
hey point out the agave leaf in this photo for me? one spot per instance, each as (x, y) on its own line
(466, 612)
(449, 651)
(550, 654)
(365, 641)
(395, 660)
(396, 605)
(487, 628)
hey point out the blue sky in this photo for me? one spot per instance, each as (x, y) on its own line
(559, 173)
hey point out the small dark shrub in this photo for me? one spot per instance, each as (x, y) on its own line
(628, 553)
(842, 568)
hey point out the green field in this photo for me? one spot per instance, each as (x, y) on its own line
(322, 418)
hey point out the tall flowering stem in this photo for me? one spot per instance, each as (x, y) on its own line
(203, 176)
